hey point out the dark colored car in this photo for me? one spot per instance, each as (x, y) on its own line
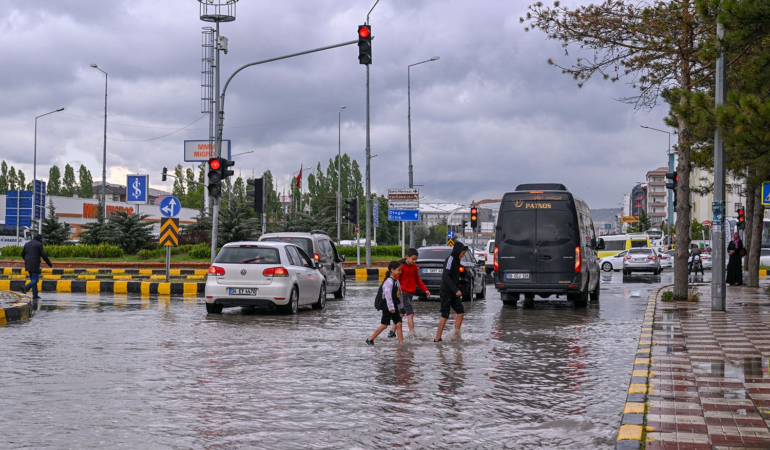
(431, 262)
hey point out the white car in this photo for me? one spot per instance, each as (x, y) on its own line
(764, 257)
(614, 262)
(666, 260)
(264, 274)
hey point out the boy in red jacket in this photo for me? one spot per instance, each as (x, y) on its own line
(410, 281)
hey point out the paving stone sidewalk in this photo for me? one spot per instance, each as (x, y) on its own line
(709, 386)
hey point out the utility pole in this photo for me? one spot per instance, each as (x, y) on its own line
(718, 207)
(368, 166)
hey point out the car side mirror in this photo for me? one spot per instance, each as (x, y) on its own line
(599, 244)
(342, 258)
(318, 265)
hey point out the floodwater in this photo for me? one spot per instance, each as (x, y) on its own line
(123, 372)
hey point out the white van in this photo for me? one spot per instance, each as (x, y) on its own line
(489, 264)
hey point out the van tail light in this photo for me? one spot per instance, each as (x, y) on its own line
(218, 271)
(496, 266)
(316, 256)
(462, 269)
(578, 261)
(275, 272)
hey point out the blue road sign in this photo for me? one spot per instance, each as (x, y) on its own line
(376, 213)
(170, 207)
(404, 215)
(18, 208)
(450, 234)
(607, 226)
(766, 193)
(137, 187)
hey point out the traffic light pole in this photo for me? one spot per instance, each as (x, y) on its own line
(368, 180)
(218, 149)
(718, 236)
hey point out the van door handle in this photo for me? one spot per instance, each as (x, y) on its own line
(545, 257)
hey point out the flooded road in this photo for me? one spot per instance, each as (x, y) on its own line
(108, 371)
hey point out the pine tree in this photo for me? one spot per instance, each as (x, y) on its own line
(54, 231)
(69, 187)
(53, 187)
(198, 232)
(86, 183)
(130, 232)
(235, 225)
(99, 232)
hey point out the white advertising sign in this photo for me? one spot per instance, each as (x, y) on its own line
(202, 151)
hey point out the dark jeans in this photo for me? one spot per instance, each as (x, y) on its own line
(34, 277)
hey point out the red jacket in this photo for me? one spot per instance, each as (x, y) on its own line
(410, 279)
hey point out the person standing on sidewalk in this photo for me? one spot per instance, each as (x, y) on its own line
(410, 280)
(734, 264)
(31, 253)
(451, 296)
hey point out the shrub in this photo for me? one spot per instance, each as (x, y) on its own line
(72, 251)
(692, 294)
(12, 251)
(667, 296)
(383, 251)
(199, 252)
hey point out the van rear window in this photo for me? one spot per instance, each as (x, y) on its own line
(518, 227)
(554, 228)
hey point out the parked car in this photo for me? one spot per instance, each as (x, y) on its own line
(431, 262)
(706, 260)
(641, 260)
(480, 252)
(319, 246)
(264, 274)
(666, 261)
(614, 262)
(764, 257)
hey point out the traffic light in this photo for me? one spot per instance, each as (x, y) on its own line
(465, 224)
(224, 164)
(256, 194)
(215, 178)
(351, 211)
(474, 218)
(164, 175)
(741, 219)
(673, 181)
(365, 44)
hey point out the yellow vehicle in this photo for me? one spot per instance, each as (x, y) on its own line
(620, 242)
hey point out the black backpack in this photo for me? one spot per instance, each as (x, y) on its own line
(380, 303)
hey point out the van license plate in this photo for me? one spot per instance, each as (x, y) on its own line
(517, 276)
(243, 291)
(432, 270)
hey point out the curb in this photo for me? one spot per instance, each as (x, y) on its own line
(48, 271)
(113, 287)
(20, 309)
(633, 419)
(113, 264)
(371, 274)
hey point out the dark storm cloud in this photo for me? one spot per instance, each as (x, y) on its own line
(488, 115)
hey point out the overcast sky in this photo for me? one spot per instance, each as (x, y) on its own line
(490, 114)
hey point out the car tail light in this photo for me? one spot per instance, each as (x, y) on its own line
(652, 257)
(578, 261)
(495, 266)
(626, 257)
(275, 272)
(218, 271)
(462, 269)
(316, 256)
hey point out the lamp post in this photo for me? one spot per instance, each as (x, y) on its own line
(670, 169)
(34, 167)
(409, 119)
(339, 174)
(104, 155)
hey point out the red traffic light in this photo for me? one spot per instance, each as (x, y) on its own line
(363, 31)
(741, 216)
(214, 163)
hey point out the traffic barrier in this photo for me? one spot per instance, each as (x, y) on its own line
(631, 433)
(14, 307)
(370, 274)
(117, 287)
(146, 272)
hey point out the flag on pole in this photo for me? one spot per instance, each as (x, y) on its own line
(299, 179)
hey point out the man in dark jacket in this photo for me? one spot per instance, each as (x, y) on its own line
(32, 252)
(451, 296)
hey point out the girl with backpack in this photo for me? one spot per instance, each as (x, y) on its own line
(388, 300)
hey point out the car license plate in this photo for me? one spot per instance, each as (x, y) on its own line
(431, 270)
(517, 276)
(243, 291)
(639, 260)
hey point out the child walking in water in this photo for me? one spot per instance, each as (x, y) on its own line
(410, 281)
(391, 293)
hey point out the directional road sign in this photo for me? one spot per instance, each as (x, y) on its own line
(766, 193)
(137, 189)
(450, 242)
(170, 207)
(404, 215)
(403, 204)
(376, 213)
(169, 232)
(450, 234)
(403, 194)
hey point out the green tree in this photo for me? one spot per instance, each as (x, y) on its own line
(69, 186)
(273, 209)
(85, 186)
(99, 232)
(53, 187)
(178, 190)
(235, 225)
(21, 180)
(12, 186)
(130, 232)
(3, 177)
(54, 231)
(198, 232)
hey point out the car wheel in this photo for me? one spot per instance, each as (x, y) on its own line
(293, 306)
(595, 293)
(321, 303)
(213, 308)
(340, 293)
(579, 299)
(483, 293)
(607, 267)
(468, 296)
(509, 299)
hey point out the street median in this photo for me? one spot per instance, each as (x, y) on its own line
(116, 287)
(14, 307)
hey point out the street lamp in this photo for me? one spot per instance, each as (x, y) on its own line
(104, 155)
(670, 169)
(34, 168)
(339, 174)
(409, 119)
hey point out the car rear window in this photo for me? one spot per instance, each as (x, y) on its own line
(303, 243)
(248, 254)
(491, 248)
(640, 251)
(434, 253)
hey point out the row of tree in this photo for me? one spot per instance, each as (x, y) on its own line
(667, 51)
(12, 179)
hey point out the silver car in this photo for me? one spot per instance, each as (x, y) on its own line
(641, 260)
(264, 274)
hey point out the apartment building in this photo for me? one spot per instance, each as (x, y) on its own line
(657, 197)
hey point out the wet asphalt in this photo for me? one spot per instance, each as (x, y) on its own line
(127, 372)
